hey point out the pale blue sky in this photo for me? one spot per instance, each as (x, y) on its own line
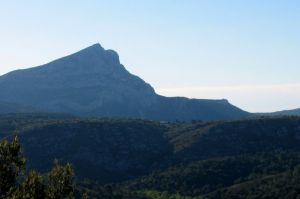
(245, 51)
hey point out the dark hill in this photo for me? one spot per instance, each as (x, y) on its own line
(92, 82)
(120, 149)
(253, 158)
(293, 112)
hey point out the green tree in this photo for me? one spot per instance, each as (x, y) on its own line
(12, 164)
(60, 182)
(57, 184)
(32, 187)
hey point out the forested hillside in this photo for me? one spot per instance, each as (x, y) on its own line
(128, 158)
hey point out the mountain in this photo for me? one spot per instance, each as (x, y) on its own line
(93, 82)
(295, 112)
(7, 107)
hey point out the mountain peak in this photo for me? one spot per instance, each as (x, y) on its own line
(97, 53)
(93, 49)
(95, 46)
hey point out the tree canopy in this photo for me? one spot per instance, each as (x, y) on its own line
(17, 183)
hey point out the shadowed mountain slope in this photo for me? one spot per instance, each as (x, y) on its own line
(293, 112)
(92, 82)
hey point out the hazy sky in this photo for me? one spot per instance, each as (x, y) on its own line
(245, 51)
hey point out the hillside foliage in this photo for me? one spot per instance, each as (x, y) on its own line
(17, 183)
(139, 159)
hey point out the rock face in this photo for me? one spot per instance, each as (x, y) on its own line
(92, 82)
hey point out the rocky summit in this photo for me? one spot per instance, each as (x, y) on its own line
(93, 82)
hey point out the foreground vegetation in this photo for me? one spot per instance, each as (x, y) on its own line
(17, 183)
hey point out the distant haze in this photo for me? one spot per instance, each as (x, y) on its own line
(244, 51)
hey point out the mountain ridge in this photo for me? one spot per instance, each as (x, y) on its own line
(292, 112)
(93, 82)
